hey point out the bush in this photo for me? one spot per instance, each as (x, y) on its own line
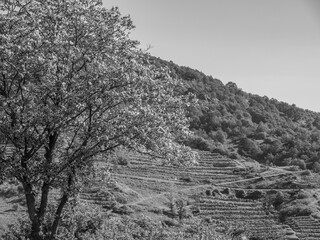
(255, 195)
(187, 179)
(220, 136)
(199, 143)
(293, 168)
(234, 155)
(249, 147)
(316, 167)
(279, 199)
(122, 209)
(216, 191)
(9, 190)
(296, 210)
(226, 191)
(183, 210)
(122, 161)
(195, 209)
(302, 195)
(260, 135)
(240, 193)
(171, 223)
(120, 157)
(306, 173)
(77, 222)
(221, 149)
(299, 162)
(206, 181)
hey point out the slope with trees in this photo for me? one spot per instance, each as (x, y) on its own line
(233, 122)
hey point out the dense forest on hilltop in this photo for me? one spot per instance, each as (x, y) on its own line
(232, 122)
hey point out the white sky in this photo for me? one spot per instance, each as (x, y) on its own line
(267, 47)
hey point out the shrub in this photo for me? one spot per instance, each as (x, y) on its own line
(255, 195)
(88, 222)
(248, 147)
(303, 195)
(234, 155)
(221, 149)
(183, 211)
(279, 199)
(77, 222)
(299, 162)
(199, 143)
(296, 210)
(293, 168)
(122, 161)
(9, 190)
(120, 198)
(206, 181)
(240, 193)
(316, 167)
(196, 209)
(122, 209)
(306, 173)
(226, 191)
(260, 135)
(216, 191)
(187, 179)
(220, 136)
(171, 223)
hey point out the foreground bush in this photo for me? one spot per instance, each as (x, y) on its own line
(76, 222)
(87, 222)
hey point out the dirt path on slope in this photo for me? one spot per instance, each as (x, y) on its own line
(141, 200)
(147, 178)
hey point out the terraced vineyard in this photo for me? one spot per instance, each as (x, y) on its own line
(249, 213)
(212, 172)
(306, 227)
(211, 168)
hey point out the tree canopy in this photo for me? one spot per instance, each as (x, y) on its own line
(74, 86)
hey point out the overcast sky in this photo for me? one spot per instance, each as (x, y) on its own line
(267, 47)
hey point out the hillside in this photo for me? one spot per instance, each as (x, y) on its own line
(218, 195)
(232, 122)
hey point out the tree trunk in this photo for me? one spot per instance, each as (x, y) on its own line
(57, 218)
(63, 202)
(44, 201)
(46, 184)
(31, 207)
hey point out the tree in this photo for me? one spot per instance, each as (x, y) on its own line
(249, 147)
(316, 167)
(73, 86)
(220, 136)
